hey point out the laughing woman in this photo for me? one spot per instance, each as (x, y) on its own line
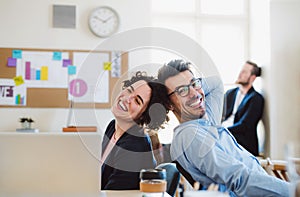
(126, 146)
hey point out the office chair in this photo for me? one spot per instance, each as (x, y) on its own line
(186, 175)
(173, 177)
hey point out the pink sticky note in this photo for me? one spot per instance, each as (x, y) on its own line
(11, 62)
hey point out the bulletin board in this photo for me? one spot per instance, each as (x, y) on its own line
(40, 97)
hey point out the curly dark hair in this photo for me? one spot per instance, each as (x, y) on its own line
(155, 114)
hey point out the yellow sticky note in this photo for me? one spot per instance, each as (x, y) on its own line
(18, 80)
(107, 65)
(44, 73)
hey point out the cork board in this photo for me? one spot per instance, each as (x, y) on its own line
(55, 97)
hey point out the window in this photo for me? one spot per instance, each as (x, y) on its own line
(219, 26)
(221, 7)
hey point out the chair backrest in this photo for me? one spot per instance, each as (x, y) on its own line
(275, 168)
(166, 153)
(184, 173)
(173, 177)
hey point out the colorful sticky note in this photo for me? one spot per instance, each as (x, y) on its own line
(12, 62)
(56, 55)
(71, 70)
(17, 54)
(107, 65)
(18, 80)
(67, 62)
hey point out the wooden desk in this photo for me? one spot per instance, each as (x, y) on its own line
(116, 193)
(107, 193)
(136, 193)
(125, 193)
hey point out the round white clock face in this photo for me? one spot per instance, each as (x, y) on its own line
(104, 21)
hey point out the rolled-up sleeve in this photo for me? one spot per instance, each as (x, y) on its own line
(214, 91)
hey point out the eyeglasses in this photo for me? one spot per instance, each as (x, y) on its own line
(184, 90)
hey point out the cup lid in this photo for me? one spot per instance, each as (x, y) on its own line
(147, 174)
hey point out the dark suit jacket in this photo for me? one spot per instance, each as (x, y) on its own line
(246, 118)
(132, 152)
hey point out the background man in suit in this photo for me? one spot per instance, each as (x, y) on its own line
(243, 108)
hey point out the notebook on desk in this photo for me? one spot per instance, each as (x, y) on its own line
(47, 164)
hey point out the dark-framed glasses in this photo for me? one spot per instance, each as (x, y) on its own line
(184, 90)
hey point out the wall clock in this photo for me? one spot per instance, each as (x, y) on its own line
(104, 21)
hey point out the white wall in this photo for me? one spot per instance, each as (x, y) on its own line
(28, 24)
(284, 75)
(275, 45)
(259, 52)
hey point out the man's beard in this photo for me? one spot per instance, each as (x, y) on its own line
(243, 83)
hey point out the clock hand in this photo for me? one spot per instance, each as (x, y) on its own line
(100, 19)
(107, 19)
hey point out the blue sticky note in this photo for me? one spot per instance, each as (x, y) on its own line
(71, 70)
(17, 54)
(12, 62)
(56, 55)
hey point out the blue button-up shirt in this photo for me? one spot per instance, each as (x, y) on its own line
(212, 155)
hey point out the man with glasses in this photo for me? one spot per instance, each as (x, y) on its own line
(207, 151)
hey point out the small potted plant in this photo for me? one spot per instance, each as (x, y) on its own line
(26, 122)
